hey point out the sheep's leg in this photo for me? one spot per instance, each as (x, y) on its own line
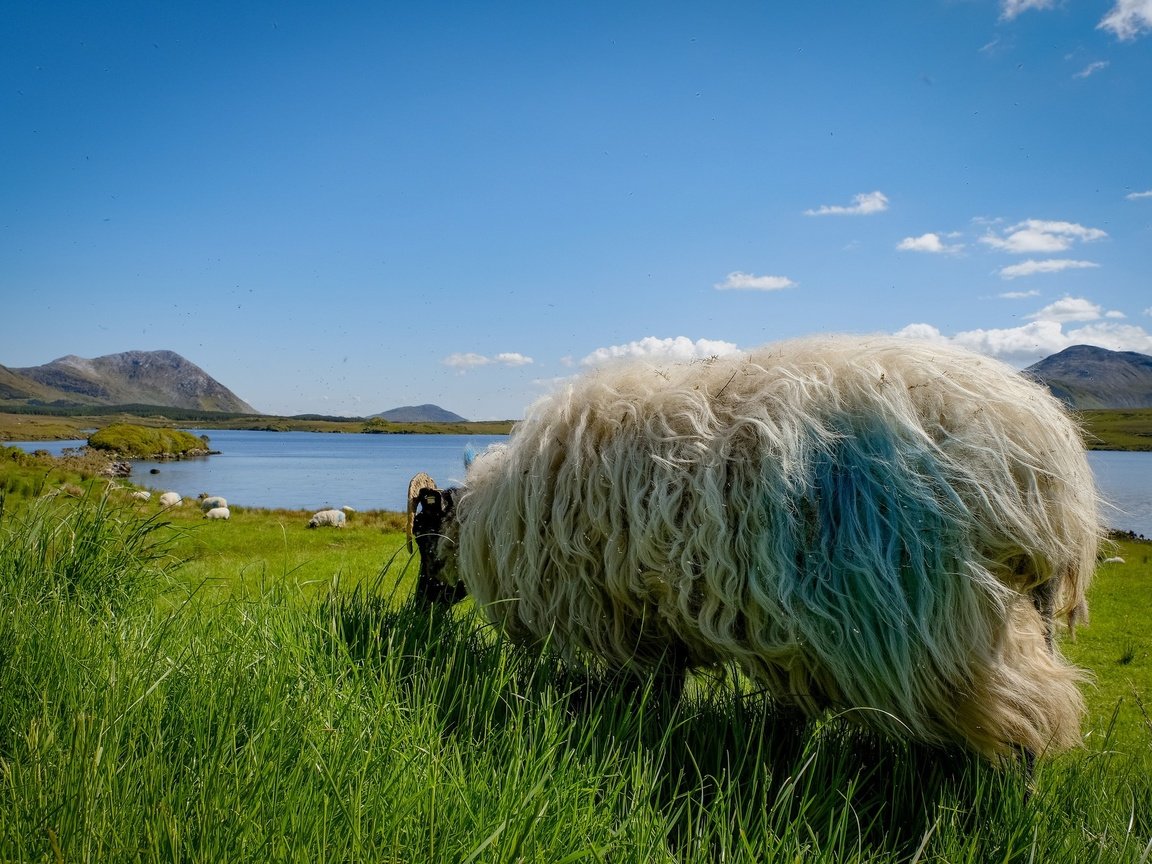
(665, 685)
(1044, 599)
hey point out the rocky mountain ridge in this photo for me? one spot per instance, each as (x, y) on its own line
(161, 378)
(1086, 377)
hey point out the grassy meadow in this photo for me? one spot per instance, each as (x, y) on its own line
(174, 689)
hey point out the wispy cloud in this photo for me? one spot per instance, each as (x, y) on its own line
(1136, 196)
(1009, 9)
(1092, 69)
(1128, 19)
(1046, 333)
(464, 362)
(1038, 339)
(1018, 295)
(930, 242)
(1069, 309)
(863, 204)
(1041, 235)
(1049, 265)
(738, 281)
(674, 348)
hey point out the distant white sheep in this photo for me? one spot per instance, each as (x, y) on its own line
(878, 526)
(218, 513)
(332, 518)
(208, 502)
(171, 499)
(141, 495)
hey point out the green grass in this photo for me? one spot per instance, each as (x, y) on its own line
(173, 689)
(1117, 645)
(144, 442)
(1118, 429)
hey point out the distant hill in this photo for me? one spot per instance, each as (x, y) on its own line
(420, 414)
(1085, 376)
(161, 378)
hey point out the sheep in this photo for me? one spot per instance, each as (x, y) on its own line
(209, 502)
(141, 495)
(218, 513)
(334, 518)
(879, 526)
(171, 499)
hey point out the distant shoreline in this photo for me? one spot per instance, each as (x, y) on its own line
(47, 427)
(1122, 429)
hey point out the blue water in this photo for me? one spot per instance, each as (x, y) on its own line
(305, 470)
(310, 470)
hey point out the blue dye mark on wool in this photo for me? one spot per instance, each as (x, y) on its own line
(879, 547)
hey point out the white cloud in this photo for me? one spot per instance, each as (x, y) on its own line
(676, 348)
(929, 242)
(1091, 69)
(1009, 9)
(1069, 309)
(466, 361)
(1018, 295)
(738, 281)
(863, 204)
(1049, 265)
(1031, 342)
(1136, 196)
(1128, 19)
(512, 358)
(1148, 311)
(1046, 333)
(463, 362)
(1041, 235)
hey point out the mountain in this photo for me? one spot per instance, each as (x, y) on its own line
(1085, 376)
(131, 378)
(420, 414)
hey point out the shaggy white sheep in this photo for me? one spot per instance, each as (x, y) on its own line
(218, 513)
(171, 499)
(875, 525)
(141, 495)
(209, 502)
(333, 518)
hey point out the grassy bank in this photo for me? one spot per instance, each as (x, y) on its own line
(175, 689)
(1119, 429)
(1104, 430)
(45, 427)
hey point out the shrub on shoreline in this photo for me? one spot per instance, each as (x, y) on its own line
(143, 442)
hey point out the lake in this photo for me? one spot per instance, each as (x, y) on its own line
(305, 470)
(311, 470)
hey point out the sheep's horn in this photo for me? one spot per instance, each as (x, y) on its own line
(417, 485)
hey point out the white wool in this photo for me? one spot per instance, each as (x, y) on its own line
(862, 523)
(333, 518)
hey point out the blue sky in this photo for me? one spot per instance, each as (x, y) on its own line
(343, 208)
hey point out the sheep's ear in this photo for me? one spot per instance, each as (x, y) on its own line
(417, 485)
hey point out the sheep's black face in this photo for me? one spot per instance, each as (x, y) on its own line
(434, 527)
